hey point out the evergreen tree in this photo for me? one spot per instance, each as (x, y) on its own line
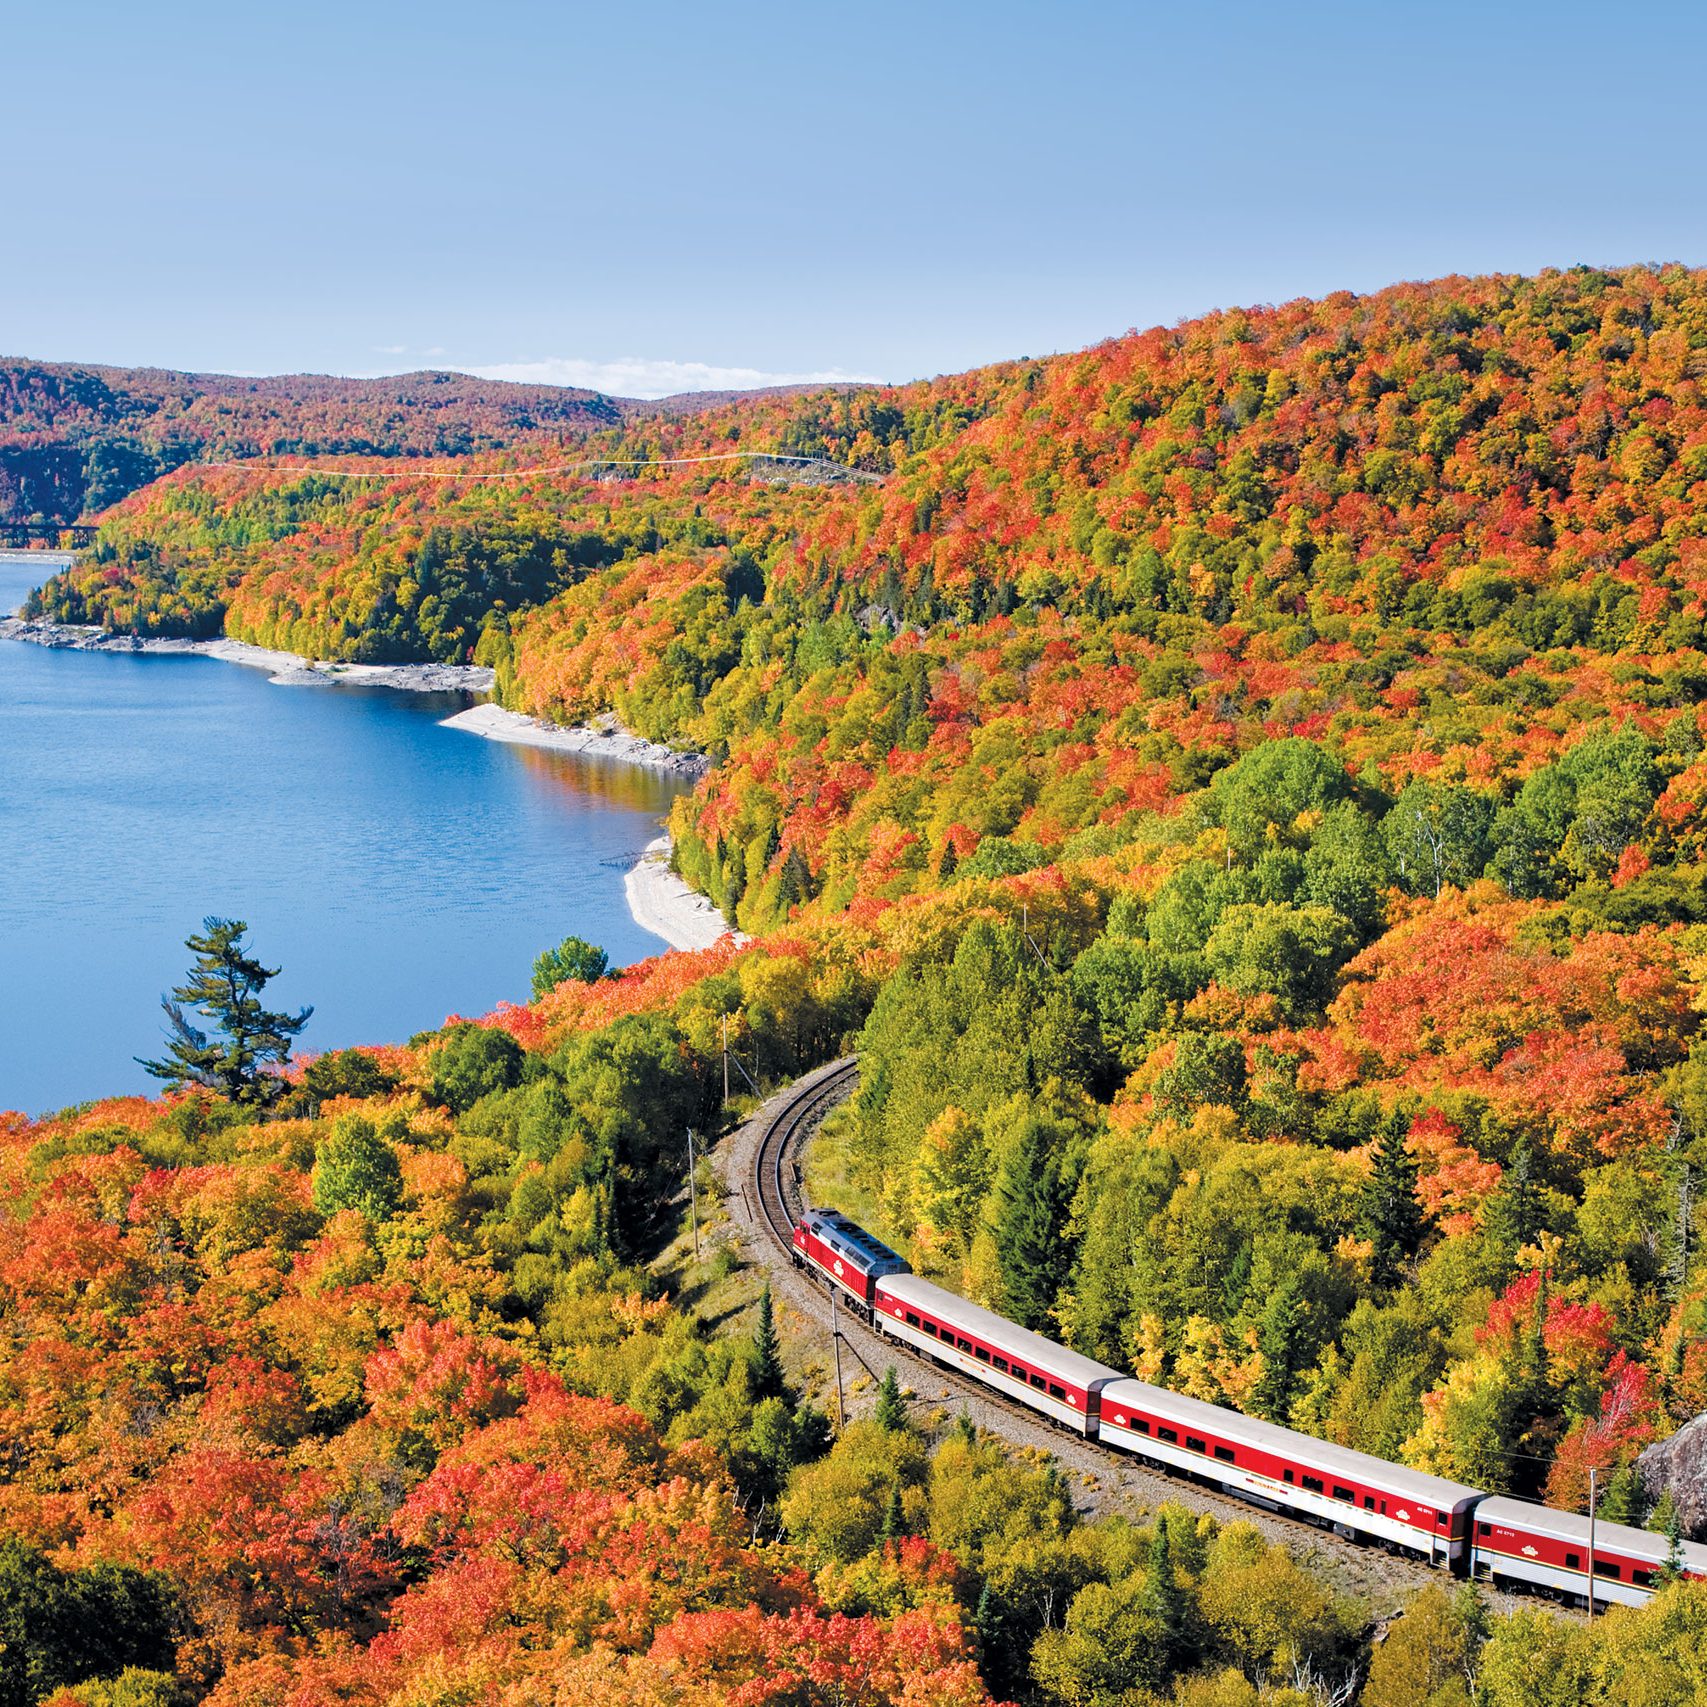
(795, 885)
(1622, 1499)
(891, 1412)
(949, 863)
(1391, 1218)
(1666, 1520)
(1165, 1597)
(1031, 1203)
(1515, 1214)
(964, 1427)
(1280, 1337)
(225, 987)
(894, 1519)
(769, 1381)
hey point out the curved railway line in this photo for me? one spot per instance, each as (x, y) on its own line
(763, 1172)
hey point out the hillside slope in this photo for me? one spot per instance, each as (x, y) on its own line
(76, 438)
(1271, 750)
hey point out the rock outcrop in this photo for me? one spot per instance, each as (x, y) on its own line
(1678, 1467)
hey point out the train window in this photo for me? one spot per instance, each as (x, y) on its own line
(1573, 1561)
(930, 1328)
(1167, 1434)
(1642, 1579)
(1313, 1483)
(964, 1344)
(1037, 1381)
(1057, 1392)
(1195, 1444)
(1482, 1529)
(1141, 1425)
(912, 1319)
(981, 1354)
(1019, 1372)
(1606, 1568)
(1001, 1363)
(1344, 1494)
(1224, 1452)
(1369, 1502)
(1289, 1476)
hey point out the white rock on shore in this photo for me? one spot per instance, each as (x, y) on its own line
(286, 668)
(658, 899)
(662, 903)
(603, 738)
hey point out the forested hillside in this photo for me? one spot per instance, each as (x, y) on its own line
(1241, 788)
(75, 439)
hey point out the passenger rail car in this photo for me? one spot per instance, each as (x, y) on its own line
(1518, 1542)
(1357, 1495)
(844, 1254)
(1059, 1383)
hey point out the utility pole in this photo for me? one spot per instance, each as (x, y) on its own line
(836, 1341)
(693, 1195)
(1592, 1503)
(726, 1060)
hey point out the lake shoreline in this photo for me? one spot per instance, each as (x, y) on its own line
(287, 668)
(658, 901)
(661, 902)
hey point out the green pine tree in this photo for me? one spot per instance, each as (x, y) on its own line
(894, 1518)
(769, 1381)
(1031, 1203)
(1280, 1338)
(891, 1412)
(1165, 1596)
(224, 986)
(1669, 1523)
(1515, 1214)
(1390, 1216)
(949, 863)
(795, 885)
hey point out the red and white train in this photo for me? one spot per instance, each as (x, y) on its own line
(1359, 1496)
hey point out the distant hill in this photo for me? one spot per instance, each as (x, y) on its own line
(76, 438)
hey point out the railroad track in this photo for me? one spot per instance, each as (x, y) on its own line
(775, 1169)
(776, 1184)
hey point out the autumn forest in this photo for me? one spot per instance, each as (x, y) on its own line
(1242, 791)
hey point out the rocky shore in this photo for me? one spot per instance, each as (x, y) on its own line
(603, 738)
(660, 902)
(285, 668)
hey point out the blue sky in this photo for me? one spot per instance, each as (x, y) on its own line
(650, 198)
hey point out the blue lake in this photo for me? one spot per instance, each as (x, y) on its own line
(397, 871)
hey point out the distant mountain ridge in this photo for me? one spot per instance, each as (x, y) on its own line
(75, 437)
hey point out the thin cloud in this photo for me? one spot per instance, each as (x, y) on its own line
(642, 376)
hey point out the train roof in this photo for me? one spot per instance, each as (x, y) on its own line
(864, 1245)
(996, 1331)
(1573, 1526)
(1234, 1426)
